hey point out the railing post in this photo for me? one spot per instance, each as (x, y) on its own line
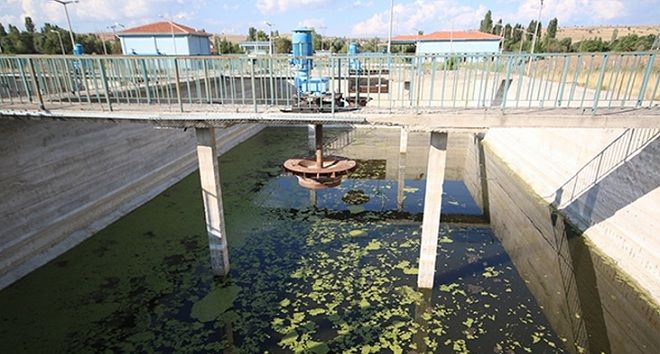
(207, 85)
(104, 79)
(178, 85)
(645, 81)
(26, 86)
(599, 83)
(35, 82)
(253, 83)
(145, 77)
(506, 83)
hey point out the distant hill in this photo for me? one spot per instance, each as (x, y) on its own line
(604, 32)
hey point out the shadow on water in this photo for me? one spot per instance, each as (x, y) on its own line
(336, 276)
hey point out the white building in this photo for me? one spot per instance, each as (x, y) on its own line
(452, 42)
(164, 38)
(255, 47)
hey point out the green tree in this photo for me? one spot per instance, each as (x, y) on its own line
(498, 28)
(261, 36)
(29, 25)
(552, 28)
(486, 24)
(507, 31)
(282, 45)
(252, 34)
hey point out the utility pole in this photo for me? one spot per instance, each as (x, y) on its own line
(114, 32)
(68, 20)
(536, 34)
(270, 38)
(59, 35)
(389, 38)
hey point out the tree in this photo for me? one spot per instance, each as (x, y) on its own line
(252, 34)
(507, 31)
(486, 25)
(262, 36)
(552, 28)
(282, 45)
(29, 25)
(498, 28)
(338, 45)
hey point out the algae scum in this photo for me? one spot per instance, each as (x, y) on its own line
(338, 277)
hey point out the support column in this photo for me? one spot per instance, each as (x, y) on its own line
(209, 175)
(403, 151)
(483, 177)
(435, 176)
(311, 138)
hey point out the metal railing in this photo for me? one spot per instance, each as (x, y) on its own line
(390, 83)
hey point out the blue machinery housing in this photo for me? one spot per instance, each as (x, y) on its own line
(303, 49)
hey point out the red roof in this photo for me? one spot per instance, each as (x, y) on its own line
(447, 36)
(163, 27)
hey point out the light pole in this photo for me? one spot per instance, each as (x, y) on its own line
(270, 38)
(114, 32)
(536, 34)
(389, 38)
(322, 28)
(59, 35)
(68, 20)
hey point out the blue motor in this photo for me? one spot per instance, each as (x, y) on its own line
(302, 43)
(78, 49)
(354, 63)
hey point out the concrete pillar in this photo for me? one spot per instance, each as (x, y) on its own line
(403, 151)
(483, 177)
(311, 138)
(435, 176)
(209, 175)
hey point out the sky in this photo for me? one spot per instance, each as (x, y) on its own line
(352, 18)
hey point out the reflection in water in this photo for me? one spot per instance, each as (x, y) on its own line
(584, 296)
(330, 273)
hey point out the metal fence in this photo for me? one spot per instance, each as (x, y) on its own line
(390, 83)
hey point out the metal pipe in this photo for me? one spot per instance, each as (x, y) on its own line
(318, 133)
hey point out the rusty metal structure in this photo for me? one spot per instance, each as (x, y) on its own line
(319, 172)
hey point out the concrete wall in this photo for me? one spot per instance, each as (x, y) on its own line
(386, 142)
(599, 291)
(64, 181)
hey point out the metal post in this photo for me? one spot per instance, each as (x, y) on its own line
(105, 84)
(645, 81)
(253, 82)
(178, 84)
(318, 132)
(389, 38)
(35, 82)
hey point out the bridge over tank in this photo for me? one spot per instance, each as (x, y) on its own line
(434, 93)
(465, 91)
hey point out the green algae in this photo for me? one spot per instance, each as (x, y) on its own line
(301, 281)
(213, 305)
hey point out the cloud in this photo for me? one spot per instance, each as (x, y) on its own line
(270, 6)
(362, 4)
(312, 23)
(572, 10)
(426, 15)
